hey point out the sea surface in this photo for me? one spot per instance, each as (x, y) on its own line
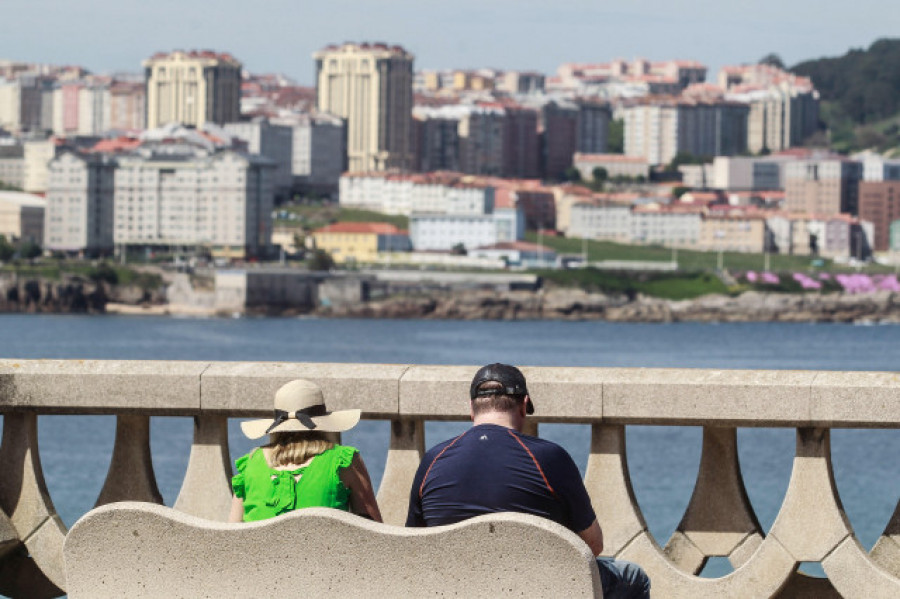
(663, 461)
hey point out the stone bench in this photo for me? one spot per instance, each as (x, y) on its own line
(133, 549)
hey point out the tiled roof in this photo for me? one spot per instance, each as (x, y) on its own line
(361, 228)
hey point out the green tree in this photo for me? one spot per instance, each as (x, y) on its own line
(615, 137)
(772, 59)
(29, 250)
(104, 272)
(686, 158)
(600, 174)
(320, 260)
(680, 191)
(6, 249)
(572, 174)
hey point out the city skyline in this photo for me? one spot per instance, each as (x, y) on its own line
(101, 35)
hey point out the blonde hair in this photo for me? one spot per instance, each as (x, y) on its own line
(288, 448)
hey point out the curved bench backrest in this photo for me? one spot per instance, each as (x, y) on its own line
(135, 549)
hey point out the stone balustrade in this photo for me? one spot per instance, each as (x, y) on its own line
(719, 521)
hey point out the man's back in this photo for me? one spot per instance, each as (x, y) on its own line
(492, 468)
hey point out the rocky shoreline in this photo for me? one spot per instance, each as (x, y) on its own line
(571, 304)
(77, 295)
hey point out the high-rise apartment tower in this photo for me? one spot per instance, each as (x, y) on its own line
(369, 85)
(192, 88)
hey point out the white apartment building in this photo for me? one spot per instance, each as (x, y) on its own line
(192, 88)
(438, 193)
(443, 232)
(601, 220)
(369, 85)
(275, 142)
(220, 200)
(22, 216)
(36, 156)
(671, 228)
(79, 213)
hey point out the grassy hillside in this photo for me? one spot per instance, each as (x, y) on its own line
(860, 94)
(310, 217)
(694, 261)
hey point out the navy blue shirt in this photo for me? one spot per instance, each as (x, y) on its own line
(491, 468)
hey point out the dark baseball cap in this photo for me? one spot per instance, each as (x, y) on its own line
(510, 377)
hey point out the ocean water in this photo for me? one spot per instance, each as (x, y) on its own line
(75, 450)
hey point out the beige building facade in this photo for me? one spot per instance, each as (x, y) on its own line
(822, 186)
(732, 233)
(22, 216)
(369, 85)
(192, 88)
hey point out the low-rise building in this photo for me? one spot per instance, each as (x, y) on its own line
(404, 194)
(672, 225)
(601, 219)
(518, 254)
(22, 217)
(616, 165)
(733, 231)
(748, 173)
(360, 242)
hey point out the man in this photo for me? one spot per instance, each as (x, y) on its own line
(493, 467)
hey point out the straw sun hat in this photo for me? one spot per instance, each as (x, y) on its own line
(300, 406)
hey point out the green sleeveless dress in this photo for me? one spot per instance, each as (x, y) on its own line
(268, 492)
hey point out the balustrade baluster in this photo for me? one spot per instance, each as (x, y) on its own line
(406, 449)
(130, 476)
(38, 570)
(886, 551)
(206, 490)
(719, 520)
(609, 485)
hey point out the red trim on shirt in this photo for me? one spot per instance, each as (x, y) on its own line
(533, 459)
(449, 445)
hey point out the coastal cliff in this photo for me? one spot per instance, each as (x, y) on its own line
(71, 295)
(84, 296)
(573, 304)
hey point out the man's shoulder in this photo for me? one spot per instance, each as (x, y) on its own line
(437, 449)
(543, 448)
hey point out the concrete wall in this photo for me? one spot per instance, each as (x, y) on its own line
(718, 522)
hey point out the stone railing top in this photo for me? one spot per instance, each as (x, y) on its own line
(135, 549)
(561, 394)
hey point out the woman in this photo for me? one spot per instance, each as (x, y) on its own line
(300, 467)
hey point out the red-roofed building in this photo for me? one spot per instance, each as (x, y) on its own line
(360, 242)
